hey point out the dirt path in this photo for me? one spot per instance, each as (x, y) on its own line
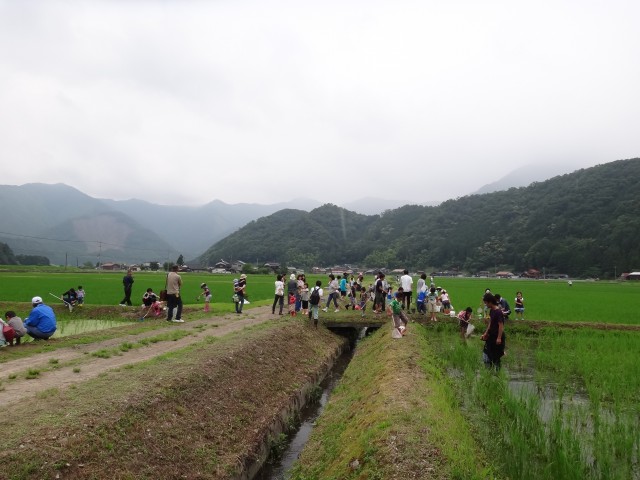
(68, 366)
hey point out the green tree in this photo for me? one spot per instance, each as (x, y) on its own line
(180, 260)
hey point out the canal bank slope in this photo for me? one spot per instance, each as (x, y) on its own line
(204, 411)
(393, 416)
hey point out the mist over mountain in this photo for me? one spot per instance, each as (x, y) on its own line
(526, 175)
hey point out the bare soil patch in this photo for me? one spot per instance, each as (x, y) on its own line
(198, 412)
(67, 366)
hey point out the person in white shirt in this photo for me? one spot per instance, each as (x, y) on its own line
(406, 282)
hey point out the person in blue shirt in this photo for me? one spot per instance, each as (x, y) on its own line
(41, 322)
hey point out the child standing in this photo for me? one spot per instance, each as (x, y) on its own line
(432, 300)
(292, 304)
(464, 317)
(206, 293)
(421, 299)
(519, 308)
(365, 295)
(80, 295)
(304, 298)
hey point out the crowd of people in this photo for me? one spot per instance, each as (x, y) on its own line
(345, 291)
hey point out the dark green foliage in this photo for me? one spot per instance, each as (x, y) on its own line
(32, 260)
(582, 224)
(6, 255)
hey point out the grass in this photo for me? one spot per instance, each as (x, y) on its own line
(578, 420)
(392, 416)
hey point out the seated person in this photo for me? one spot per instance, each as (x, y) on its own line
(149, 297)
(157, 307)
(70, 296)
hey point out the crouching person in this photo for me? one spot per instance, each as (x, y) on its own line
(41, 322)
(18, 327)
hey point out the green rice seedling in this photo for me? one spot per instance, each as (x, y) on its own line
(581, 420)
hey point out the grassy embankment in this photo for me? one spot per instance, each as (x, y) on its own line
(394, 415)
(200, 412)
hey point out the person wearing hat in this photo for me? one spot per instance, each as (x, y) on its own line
(41, 322)
(240, 290)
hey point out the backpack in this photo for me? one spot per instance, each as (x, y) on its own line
(314, 298)
(8, 332)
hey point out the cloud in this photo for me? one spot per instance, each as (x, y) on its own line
(188, 101)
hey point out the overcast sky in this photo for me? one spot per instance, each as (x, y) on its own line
(184, 102)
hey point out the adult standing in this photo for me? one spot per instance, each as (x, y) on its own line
(380, 294)
(279, 295)
(240, 290)
(41, 322)
(494, 337)
(292, 285)
(174, 300)
(406, 282)
(127, 282)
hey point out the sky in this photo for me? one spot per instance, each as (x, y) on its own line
(184, 102)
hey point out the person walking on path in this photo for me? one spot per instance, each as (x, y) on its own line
(174, 300)
(334, 291)
(406, 282)
(41, 322)
(240, 290)
(279, 295)
(127, 282)
(315, 297)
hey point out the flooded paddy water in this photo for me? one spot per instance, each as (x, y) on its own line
(564, 404)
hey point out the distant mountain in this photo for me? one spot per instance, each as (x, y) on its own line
(525, 176)
(191, 230)
(375, 206)
(584, 223)
(65, 225)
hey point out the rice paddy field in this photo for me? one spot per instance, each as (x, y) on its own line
(588, 301)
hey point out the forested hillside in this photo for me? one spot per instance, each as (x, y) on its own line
(583, 224)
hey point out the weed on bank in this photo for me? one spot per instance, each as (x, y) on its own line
(393, 416)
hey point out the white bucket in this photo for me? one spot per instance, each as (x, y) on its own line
(452, 314)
